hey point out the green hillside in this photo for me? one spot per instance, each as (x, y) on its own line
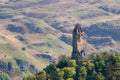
(35, 33)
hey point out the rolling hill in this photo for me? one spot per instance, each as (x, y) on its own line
(34, 33)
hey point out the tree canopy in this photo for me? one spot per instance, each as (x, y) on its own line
(104, 66)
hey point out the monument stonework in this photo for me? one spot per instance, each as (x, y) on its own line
(78, 48)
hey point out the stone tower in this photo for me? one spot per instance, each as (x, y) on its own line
(78, 51)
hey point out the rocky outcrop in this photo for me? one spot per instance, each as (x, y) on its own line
(5, 16)
(14, 0)
(61, 26)
(46, 2)
(100, 41)
(14, 28)
(35, 15)
(89, 1)
(20, 38)
(33, 28)
(26, 66)
(103, 30)
(66, 39)
(18, 29)
(39, 44)
(42, 44)
(93, 14)
(6, 67)
(10, 66)
(47, 56)
(3, 65)
(109, 9)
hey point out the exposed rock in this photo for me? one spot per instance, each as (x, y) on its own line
(35, 15)
(7, 67)
(24, 66)
(3, 65)
(93, 14)
(42, 44)
(61, 26)
(82, 1)
(39, 44)
(103, 30)
(95, 1)
(20, 38)
(112, 10)
(33, 69)
(47, 56)
(16, 29)
(46, 2)
(14, 0)
(5, 16)
(10, 66)
(30, 4)
(88, 1)
(100, 41)
(58, 26)
(33, 28)
(66, 39)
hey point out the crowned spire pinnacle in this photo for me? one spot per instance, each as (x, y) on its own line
(77, 29)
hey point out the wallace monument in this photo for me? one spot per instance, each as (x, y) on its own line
(78, 49)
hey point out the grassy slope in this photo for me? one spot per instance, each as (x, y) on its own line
(66, 10)
(12, 51)
(10, 47)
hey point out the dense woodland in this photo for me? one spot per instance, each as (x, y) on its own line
(105, 66)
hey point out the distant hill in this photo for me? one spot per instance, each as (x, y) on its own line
(37, 32)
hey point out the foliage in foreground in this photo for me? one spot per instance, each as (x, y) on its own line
(3, 76)
(98, 67)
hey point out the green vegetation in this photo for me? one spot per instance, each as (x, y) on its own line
(32, 27)
(12, 53)
(18, 58)
(98, 67)
(3, 76)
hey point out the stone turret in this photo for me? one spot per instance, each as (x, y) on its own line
(78, 51)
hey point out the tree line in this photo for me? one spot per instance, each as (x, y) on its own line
(104, 66)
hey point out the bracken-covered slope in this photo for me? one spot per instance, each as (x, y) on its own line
(37, 32)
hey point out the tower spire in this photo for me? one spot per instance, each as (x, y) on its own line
(77, 42)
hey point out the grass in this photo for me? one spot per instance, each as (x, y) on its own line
(11, 47)
(13, 52)
(56, 45)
